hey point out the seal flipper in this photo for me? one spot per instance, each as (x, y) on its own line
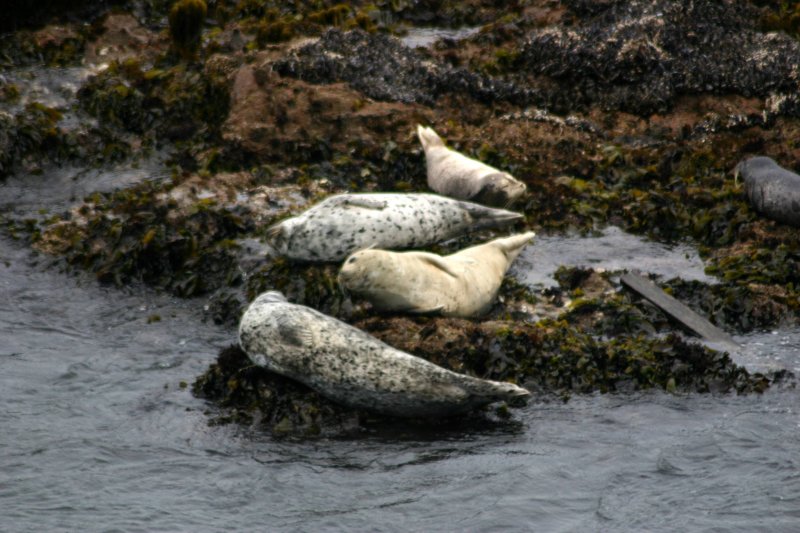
(513, 245)
(489, 217)
(438, 262)
(367, 203)
(428, 137)
(293, 335)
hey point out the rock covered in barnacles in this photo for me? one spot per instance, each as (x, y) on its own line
(384, 69)
(641, 55)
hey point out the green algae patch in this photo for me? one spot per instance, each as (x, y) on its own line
(136, 235)
(176, 103)
(186, 26)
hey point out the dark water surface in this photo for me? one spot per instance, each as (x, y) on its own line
(98, 434)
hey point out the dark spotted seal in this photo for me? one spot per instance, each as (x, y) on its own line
(771, 189)
(455, 175)
(342, 224)
(463, 284)
(352, 368)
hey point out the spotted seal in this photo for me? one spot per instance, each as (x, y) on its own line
(771, 189)
(342, 224)
(353, 368)
(463, 284)
(455, 175)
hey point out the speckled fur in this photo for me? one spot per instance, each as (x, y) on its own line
(455, 175)
(463, 284)
(352, 368)
(342, 224)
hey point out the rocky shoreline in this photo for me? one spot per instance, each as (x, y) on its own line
(626, 113)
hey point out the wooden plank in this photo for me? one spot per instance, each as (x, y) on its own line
(678, 311)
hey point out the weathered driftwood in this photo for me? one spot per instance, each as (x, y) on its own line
(678, 311)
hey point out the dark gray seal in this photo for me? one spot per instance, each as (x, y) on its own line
(353, 368)
(338, 226)
(771, 189)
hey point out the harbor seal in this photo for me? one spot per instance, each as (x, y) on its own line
(771, 189)
(463, 284)
(342, 224)
(453, 174)
(353, 368)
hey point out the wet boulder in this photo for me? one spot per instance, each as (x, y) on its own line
(280, 118)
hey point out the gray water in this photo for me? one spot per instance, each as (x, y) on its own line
(100, 433)
(612, 249)
(424, 37)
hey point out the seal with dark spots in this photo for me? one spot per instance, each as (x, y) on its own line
(334, 228)
(771, 189)
(455, 175)
(355, 369)
(463, 284)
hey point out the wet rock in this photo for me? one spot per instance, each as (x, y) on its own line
(642, 55)
(120, 36)
(287, 119)
(550, 359)
(384, 69)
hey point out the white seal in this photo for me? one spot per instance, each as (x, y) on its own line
(336, 227)
(455, 175)
(353, 368)
(463, 284)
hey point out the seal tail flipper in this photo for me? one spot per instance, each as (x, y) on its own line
(489, 217)
(496, 391)
(513, 245)
(274, 231)
(428, 137)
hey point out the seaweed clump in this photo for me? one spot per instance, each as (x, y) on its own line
(137, 235)
(34, 136)
(177, 103)
(186, 26)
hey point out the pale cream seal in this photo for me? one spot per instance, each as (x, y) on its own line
(463, 284)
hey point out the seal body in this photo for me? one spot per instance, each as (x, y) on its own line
(771, 189)
(455, 175)
(352, 368)
(463, 284)
(342, 224)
